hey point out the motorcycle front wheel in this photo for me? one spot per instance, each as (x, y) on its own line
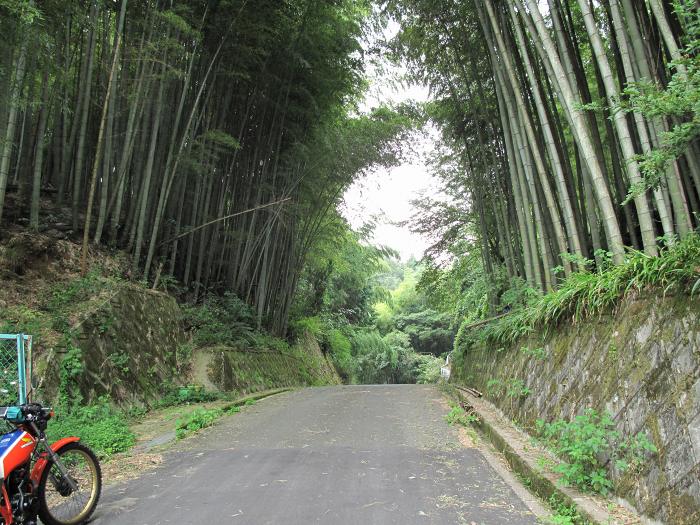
(59, 503)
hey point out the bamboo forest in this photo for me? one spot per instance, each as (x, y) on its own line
(196, 213)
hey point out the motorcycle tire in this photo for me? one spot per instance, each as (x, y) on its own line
(58, 503)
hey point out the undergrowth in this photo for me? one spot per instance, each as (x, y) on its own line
(586, 444)
(100, 426)
(458, 416)
(186, 395)
(588, 293)
(223, 320)
(563, 514)
(198, 419)
(205, 417)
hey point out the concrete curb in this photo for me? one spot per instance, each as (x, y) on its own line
(168, 437)
(257, 396)
(522, 458)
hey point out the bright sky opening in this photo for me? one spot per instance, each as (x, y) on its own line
(384, 196)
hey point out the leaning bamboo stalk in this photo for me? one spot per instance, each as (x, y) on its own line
(564, 197)
(621, 126)
(581, 134)
(98, 154)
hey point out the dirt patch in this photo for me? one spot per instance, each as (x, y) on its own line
(125, 467)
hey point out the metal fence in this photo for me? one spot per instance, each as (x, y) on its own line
(446, 369)
(15, 351)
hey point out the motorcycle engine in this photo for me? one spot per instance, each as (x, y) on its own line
(21, 498)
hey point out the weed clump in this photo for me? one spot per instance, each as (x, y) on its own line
(563, 514)
(204, 417)
(458, 416)
(197, 420)
(586, 445)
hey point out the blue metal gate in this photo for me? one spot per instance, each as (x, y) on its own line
(15, 368)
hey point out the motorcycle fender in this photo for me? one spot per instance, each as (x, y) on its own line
(43, 460)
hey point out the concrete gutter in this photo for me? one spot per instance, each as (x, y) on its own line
(522, 456)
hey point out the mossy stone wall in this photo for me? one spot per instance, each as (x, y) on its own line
(640, 363)
(129, 345)
(245, 371)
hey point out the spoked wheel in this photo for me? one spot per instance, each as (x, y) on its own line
(64, 501)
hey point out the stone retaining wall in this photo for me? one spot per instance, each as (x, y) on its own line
(641, 364)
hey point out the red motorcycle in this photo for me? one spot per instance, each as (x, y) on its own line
(59, 483)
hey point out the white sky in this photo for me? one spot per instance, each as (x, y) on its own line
(384, 195)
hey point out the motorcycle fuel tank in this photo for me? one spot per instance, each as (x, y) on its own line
(16, 448)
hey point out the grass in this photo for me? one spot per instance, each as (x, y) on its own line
(198, 419)
(458, 416)
(588, 293)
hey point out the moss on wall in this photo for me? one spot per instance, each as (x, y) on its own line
(232, 370)
(640, 363)
(129, 339)
(129, 346)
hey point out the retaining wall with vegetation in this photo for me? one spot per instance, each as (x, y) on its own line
(227, 369)
(129, 345)
(123, 345)
(640, 363)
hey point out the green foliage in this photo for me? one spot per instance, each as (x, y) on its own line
(341, 353)
(376, 360)
(515, 388)
(220, 139)
(222, 320)
(77, 290)
(185, 395)
(680, 100)
(428, 369)
(563, 514)
(101, 427)
(337, 284)
(314, 326)
(391, 359)
(494, 387)
(72, 367)
(120, 361)
(183, 357)
(333, 336)
(428, 330)
(537, 353)
(583, 443)
(22, 10)
(587, 293)
(196, 420)
(512, 388)
(458, 416)
(177, 23)
(406, 310)
(21, 319)
(201, 418)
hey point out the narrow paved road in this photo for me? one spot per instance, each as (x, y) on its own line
(336, 455)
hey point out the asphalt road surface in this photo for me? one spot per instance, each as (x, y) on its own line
(337, 455)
